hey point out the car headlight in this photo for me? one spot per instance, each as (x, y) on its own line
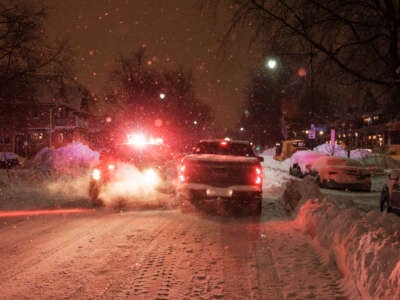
(151, 177)
(96, 174)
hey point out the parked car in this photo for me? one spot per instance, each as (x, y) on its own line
(224, 170)
(8, 160)
(302, 161)
(342, 173)
(390, 194)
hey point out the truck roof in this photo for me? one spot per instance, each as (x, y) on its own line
(227, 140)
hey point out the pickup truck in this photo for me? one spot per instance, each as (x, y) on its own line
(224, 170)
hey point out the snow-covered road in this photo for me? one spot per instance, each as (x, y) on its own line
(308, 243)
(161, 255)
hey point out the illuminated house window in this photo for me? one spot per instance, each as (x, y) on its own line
(367, 120)
(37, 136)
(60, 137)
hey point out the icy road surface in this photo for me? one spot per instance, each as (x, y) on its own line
(161, 254)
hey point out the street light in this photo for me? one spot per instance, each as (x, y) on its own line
(271, 63)
(162, 96)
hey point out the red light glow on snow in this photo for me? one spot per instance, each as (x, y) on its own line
(26, 213)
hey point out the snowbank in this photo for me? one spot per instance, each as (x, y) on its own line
(269, 152)
(338, 150)
(68, 158)
(275, 174)
(364, 246)
(305, 159)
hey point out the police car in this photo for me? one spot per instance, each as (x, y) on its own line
(140, 165)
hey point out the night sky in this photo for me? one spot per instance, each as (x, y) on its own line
(174, 32)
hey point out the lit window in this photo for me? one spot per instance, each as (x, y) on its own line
(37, 136)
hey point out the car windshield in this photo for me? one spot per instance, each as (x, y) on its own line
(225, 148)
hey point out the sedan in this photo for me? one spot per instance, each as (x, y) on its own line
(342, 173)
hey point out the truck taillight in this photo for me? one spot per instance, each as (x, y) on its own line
(258, 175)
(182, 173)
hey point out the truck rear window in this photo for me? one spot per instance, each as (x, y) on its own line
(224, 148)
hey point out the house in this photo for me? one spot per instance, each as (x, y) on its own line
(28, 127)
(377, 131)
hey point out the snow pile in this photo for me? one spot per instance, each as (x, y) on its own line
(269, 152)
(364, 246)
(275, 174)
(297, 192)
(305, 159)
(276, 164)
(71, 157)
(338, 150)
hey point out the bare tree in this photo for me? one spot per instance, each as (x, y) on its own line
(27, 57)
(134, 95)
(355, 42)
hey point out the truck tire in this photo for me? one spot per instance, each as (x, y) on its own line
(258, 207)
(384, 199)
(186, 203)
(296, 171)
